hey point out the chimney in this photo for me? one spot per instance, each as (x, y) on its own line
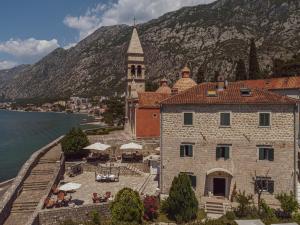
(221, 83)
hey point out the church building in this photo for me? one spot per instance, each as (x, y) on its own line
(142, 117)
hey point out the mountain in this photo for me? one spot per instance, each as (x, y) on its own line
(212, 36)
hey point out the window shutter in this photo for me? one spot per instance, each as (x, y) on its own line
(181, 151)
(218, 152)
(226, 153)
(261, 153)
(188, 118)
(190, 150)
(225, 119)
(193, 181)
(271, 186)
(271, 154)
(267, 119)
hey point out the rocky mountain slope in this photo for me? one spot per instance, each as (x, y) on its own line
(213, 36)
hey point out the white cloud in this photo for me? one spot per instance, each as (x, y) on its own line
(123, 11)
(70, 45)
(7, 64)
(30, 48)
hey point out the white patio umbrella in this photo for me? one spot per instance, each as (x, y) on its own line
(98, 147)
(69, 187)
(131, 146)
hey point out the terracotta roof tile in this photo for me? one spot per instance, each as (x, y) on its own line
(230, 95)
(151, 99)
(275, 83)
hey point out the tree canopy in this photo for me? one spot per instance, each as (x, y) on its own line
(254, 70)
(182, 204)
(240, 71)
(127, 208)
(74, 142)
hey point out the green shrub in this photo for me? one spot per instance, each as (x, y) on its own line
(96, 218)
(182, 204)
(74, 142)
(288, 204)
(127, 208)
(246, 208)
(230, 215)
(266, 211)
(296, 217)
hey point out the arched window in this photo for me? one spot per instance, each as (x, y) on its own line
(139, 70)
(133, 70)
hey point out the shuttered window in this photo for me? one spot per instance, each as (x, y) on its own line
(264, 184)
(225, 119)
(192, 177)
(266, 153)
(264, 119)
(188, 119)
(186, 150)
(222, 152)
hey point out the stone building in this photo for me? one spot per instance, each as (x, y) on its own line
(227, 136)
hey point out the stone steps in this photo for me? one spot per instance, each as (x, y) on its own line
(214, 208)
(24, 207)
(134, 169)
(144, 185)
(32, 186)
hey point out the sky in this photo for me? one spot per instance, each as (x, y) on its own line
(31, 29)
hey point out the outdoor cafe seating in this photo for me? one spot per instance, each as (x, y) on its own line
(62, 200)
(98, 199)
(132, 157)
(106, 178)
(98, 157)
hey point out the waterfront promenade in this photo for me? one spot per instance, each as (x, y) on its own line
(35, 187)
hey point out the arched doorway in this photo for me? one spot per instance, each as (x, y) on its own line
(218, 182)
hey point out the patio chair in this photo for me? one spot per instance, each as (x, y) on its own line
(95, 198)
(49, 203)
(60, 199)
(107, 195)
(55, 190)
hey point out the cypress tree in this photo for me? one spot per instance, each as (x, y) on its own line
(182, 204)
(240, 71)
(254, 71)
(200, 75)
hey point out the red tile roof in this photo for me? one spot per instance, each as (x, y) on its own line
(230, 95)
(151, 99)
(275, 83)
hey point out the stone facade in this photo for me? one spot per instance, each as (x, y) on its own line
(243, 136)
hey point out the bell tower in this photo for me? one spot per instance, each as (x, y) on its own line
(135, 63)
(135, 76)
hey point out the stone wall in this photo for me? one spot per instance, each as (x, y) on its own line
(78, 214)
(125, 169)
(244, 136)
(12, 193)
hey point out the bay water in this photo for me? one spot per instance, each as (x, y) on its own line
(22, 133)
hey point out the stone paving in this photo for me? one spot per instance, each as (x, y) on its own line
(34, 187)
(3, 190)
(89, 185)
